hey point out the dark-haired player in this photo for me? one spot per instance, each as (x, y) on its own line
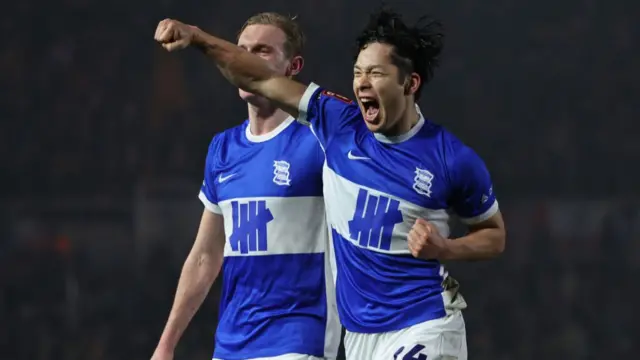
(389, 178)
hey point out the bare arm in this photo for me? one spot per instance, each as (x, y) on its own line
(198, 274)
(243, 69)
(484, 241)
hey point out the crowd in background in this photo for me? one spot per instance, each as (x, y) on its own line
(544, 91)
(546, 97)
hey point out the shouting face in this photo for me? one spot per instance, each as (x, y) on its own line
(383, 91)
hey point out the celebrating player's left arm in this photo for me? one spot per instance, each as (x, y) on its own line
(474, 201)
(485, 240)
(243, 69)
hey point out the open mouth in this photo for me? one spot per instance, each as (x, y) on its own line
(371, 108)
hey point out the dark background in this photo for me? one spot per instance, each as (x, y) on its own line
(103, 138)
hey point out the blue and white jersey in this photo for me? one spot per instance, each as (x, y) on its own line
(275, 297)
(375, 187)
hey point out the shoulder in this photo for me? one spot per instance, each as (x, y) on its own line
(442, 146)
(435, 140)
(338, 103)
(462, 163)
(327, 99)
(447, 144)
(221, 141)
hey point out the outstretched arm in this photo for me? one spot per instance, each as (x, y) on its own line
(247, 71)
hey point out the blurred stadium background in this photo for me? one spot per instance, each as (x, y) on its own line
(103, 138)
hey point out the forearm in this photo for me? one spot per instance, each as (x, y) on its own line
(241, 68)
(481, 244)
(198, 274)
(250, 72)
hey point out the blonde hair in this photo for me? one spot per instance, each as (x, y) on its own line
(295, 38)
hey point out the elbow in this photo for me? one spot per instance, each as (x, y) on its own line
(499, 242)
(499, 249)
(203, 262)
(205, 268)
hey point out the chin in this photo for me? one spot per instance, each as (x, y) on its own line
(374, 127)
(253, 99)
(246, 96)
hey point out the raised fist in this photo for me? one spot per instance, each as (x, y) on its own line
(174, 35)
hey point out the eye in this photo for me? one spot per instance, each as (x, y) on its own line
(261, 50)
(376, 73)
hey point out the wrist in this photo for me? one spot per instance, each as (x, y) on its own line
(197, 38)
(448, 251)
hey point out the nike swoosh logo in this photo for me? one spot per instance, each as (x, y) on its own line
(222, 179)
(354, 157)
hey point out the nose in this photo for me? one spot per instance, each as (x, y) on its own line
(362, 82)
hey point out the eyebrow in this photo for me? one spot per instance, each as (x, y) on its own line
(256, 45)
(368, 68)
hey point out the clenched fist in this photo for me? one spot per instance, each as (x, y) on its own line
(425, 241)
(174, 35)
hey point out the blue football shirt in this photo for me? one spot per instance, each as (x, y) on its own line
(275, 298)
(375, 187)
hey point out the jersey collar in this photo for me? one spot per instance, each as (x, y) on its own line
(406, 136)
(271, 134)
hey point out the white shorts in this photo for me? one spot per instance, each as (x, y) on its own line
(439, 339)
(290, 357)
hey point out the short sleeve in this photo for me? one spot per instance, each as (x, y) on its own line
(325, 112)
(473, 198)
(207, 190)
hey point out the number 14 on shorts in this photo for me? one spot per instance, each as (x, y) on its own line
(414, 353)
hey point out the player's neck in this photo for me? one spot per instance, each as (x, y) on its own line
(408, 119)
(411, 116)
(263, 120)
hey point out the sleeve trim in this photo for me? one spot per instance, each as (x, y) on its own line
(214, 208)
(482, 217)
(305, 100)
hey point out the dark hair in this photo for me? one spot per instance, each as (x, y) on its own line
(415, 48)
(295, 37)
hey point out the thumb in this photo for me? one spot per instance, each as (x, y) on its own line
(176, 45)
(431, 228)
(428, 227)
